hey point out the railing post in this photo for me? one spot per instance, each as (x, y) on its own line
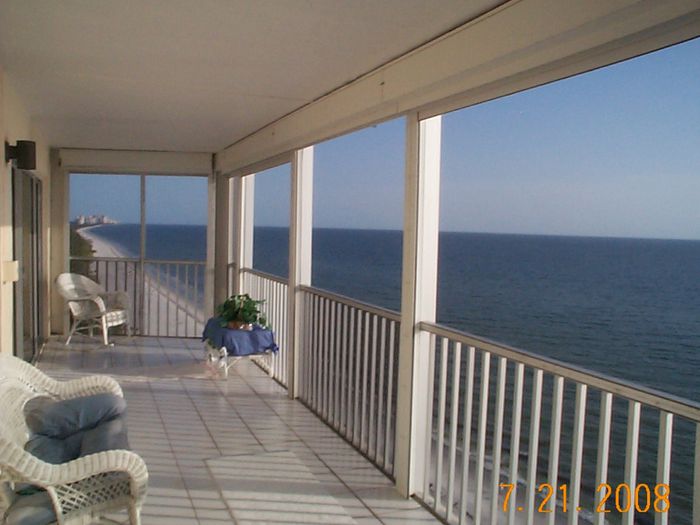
(212, 227)
(300, 235)
(243, 202)
(222, 238)
(418, 297)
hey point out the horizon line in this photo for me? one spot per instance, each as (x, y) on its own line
(575, 235)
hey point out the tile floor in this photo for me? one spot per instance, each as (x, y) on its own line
(232, 450)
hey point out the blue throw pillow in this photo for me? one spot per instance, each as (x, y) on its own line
(61, 419)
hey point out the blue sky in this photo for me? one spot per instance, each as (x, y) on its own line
(613, 152)
(169, 200)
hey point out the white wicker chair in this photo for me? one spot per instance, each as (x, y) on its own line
(91, 306)
(80, 490)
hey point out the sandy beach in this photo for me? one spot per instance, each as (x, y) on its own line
(164, 311)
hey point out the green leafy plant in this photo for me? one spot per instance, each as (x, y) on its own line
(241, 309)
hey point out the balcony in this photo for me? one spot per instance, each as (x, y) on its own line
(365, 414)
(231, 450)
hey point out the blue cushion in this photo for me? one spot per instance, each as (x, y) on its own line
(61, 419)
(35, 509)
(55, 450)
(110, 435)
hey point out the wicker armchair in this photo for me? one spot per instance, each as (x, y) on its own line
(91, 306)
(79, 490)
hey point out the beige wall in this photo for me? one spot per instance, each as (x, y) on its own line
(15, 124)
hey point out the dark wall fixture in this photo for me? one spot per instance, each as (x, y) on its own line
(23, 153)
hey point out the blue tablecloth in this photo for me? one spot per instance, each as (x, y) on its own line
(239, 342)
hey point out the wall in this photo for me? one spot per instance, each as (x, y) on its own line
(15, 124)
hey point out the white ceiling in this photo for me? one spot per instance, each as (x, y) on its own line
(198, 75)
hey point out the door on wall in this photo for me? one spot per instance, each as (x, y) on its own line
(27, 245)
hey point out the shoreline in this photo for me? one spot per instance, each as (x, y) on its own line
(166, 311)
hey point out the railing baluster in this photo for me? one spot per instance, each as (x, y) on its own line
(319, 356)
(442, 395)
(158, 296)
(606, 400)
(533, 442)
(554, 444)
(515, 440)
(696, 477)
(663, 462)
(467, 435)
(498, 439)
(352, 367)
(371, 442)
(380, 402)
(358, 370)
(315, 350)
(344, 379)
(481, 440)
(427, 455)
(326, 359)
(631, 456)
(197, 302)
(389, 435)
(177, 298)
(333, 367)
(577, 453)
(454, 419)
(365, 372)
(187, 295)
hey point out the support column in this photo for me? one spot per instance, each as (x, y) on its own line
(418, 296)
(300, 238)
(242, 217)
(58, 241)
(221, 239)
(209, 276)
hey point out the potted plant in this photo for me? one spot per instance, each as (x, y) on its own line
(241, 312)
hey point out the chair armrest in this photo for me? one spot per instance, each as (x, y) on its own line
(22, 466)
(81, 305)
(101, 463)
(86, 386)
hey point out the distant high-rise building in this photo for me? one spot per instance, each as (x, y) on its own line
(91, 220)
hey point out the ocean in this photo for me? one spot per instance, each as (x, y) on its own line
(629, 308)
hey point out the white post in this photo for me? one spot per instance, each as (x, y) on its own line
(418, 296)
(210, 273)
(300, 237)
(243, 202)
(59, 241)
(222, 239)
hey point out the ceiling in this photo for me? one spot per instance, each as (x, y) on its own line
(186, 75)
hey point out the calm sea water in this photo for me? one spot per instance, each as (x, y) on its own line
(627, 307)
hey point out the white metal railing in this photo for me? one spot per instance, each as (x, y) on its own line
(272, 290)
(512, 437)
(349, 368)
(167, 297)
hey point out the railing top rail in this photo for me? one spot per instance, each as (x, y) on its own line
(377, 310)
(264, 275)
(136, 259)
(105, 259)
(174, 261)
(627, 389)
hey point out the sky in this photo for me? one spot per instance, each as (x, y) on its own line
(169, 200)
(613, 152)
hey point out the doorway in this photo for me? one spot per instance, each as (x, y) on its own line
(27, 246)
